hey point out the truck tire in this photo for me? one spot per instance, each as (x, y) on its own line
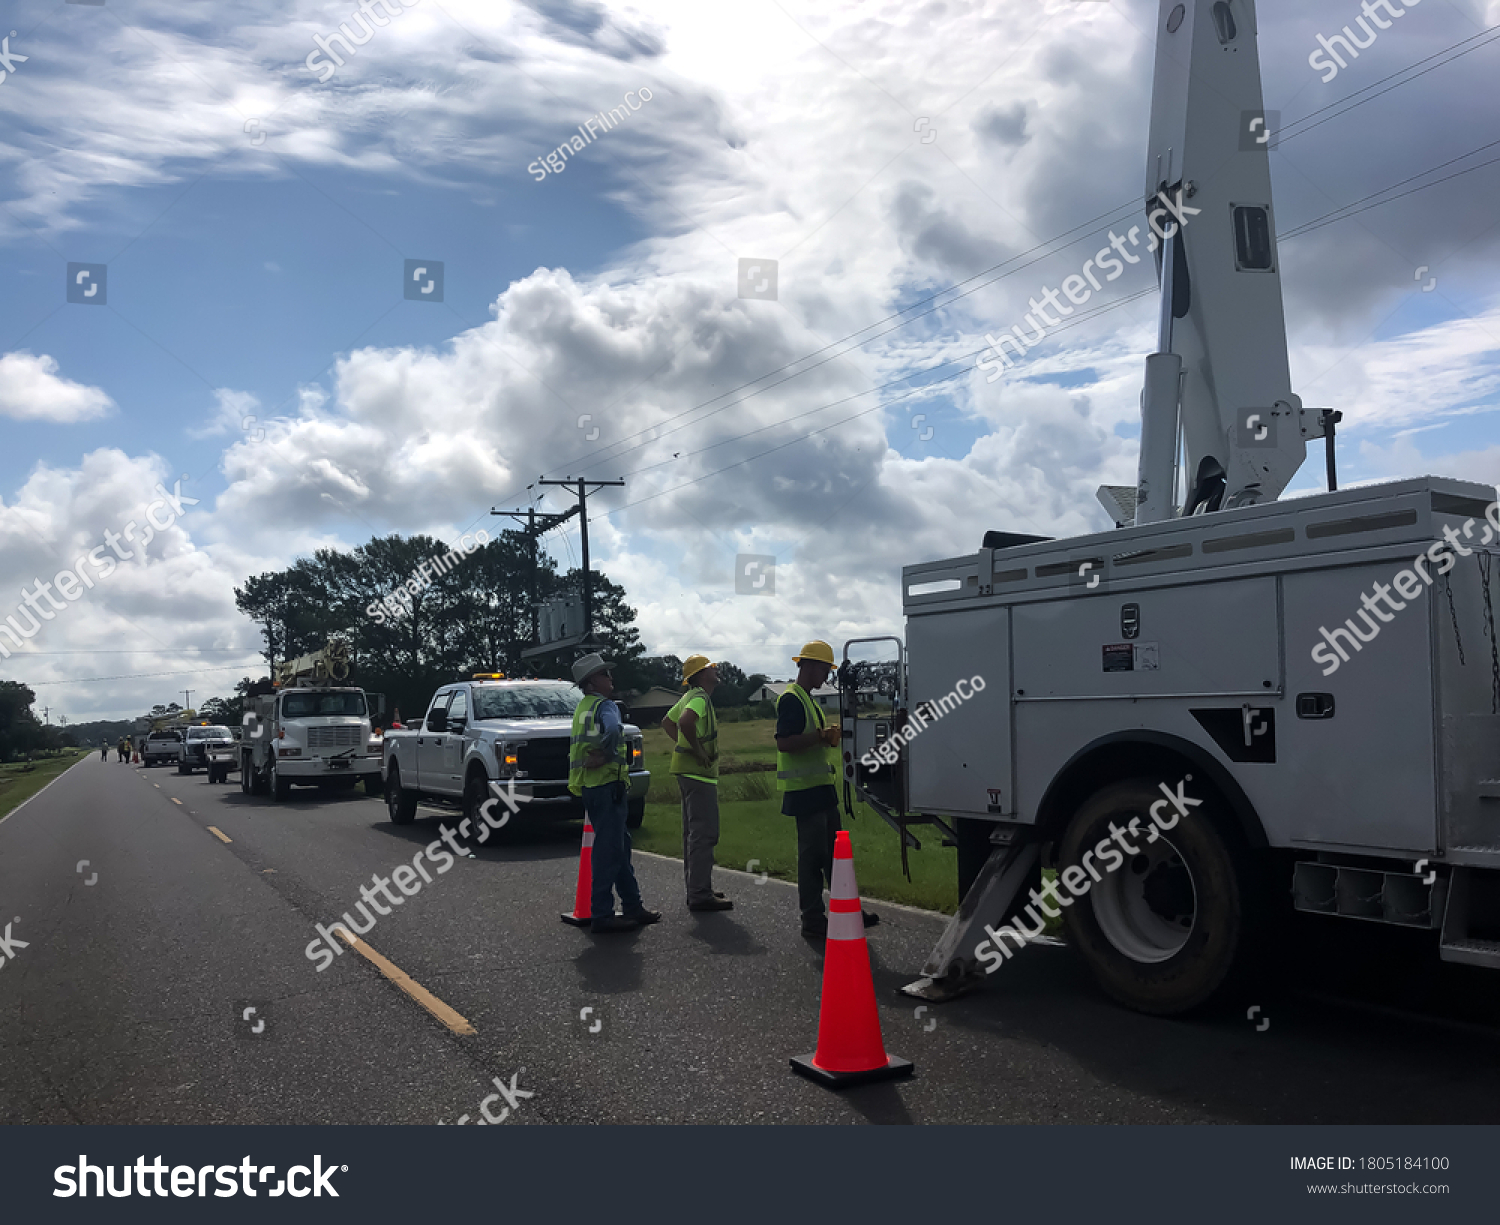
(635, 815)
(476, 792)
(281, 789)
(1169, 928)
(374, 786)
(401, 804)
(183, 769)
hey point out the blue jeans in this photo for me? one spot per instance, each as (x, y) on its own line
(612, 871)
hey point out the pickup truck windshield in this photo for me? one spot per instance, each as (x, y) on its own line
(525, 701)
(305, 705)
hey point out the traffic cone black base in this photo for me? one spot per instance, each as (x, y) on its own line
(897, 1067)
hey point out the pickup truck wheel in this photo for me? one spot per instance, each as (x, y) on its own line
(1164, 930)
(401, 804)
(182, 769)
(476, 792)
(635, 814)
(281, 789)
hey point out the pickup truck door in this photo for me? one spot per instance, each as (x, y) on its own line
(430, 773)
(454, 742)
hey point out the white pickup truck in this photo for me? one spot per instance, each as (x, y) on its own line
(480, 735)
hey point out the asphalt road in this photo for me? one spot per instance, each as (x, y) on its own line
(128, 1003)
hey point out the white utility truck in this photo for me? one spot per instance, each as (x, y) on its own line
(1316, 681)
(311, 730)
(481, 736)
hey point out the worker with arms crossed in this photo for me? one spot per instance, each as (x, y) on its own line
(693, 727)
(807, 763)
(597, 772)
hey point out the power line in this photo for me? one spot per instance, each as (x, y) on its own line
(137, 676)
(1350, 210)
(1297, 123)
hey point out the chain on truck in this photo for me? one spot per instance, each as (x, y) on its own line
(310, 730)
(1317, 679)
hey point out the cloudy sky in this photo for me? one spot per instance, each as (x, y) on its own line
(257, 332)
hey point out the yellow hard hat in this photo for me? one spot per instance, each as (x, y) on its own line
(693, 665)
(816, 651)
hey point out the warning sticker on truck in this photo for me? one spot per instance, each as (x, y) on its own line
(1132, 657)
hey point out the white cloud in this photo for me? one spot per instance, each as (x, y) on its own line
(32, 390)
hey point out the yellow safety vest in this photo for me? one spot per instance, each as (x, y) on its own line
(683, 761)
(814, 767)
(588, 736)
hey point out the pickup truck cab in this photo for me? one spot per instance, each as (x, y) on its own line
(193, 751)
(480, 735)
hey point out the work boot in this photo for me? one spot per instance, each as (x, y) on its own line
(815, 925)
(612, 923)
(717, 902)
(643, 917)
(870, 919)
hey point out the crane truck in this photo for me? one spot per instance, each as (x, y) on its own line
(1229, 708)
(310, 729)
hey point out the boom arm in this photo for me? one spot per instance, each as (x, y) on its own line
(1221, 370)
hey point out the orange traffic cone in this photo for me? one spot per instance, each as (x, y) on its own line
(850, 1051)
(582, 914)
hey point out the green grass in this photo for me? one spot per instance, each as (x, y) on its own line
(18, 784)
(751, 825)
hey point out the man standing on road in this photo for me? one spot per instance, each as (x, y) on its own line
(692, 725)
(597, 771)
(807, 764)
(122, 750)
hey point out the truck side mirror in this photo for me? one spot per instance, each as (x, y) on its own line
(437, 721)
(376, 703)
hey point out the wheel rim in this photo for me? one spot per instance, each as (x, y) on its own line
(1148, 907)
(392, 793)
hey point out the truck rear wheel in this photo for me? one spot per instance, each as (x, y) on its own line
(402, 805)
(373, 785)
(1165, 929)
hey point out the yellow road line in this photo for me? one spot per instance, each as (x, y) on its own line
(219, 834)
(175, 800)
(435, 1006)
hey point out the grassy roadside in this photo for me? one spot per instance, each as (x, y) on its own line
(18, 784)
(752, 827)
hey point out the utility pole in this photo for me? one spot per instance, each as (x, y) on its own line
(533, 527)
(188, 696)
(581, 486)
(45, 711)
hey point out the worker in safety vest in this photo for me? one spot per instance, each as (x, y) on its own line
(597, 772)
(692, 725)
(807, 765)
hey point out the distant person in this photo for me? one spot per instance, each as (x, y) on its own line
(104, 750)
(597, 772)
(694, 728)
(807, 763)
(123, 748)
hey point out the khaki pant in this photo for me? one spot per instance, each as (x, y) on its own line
(700, 834)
